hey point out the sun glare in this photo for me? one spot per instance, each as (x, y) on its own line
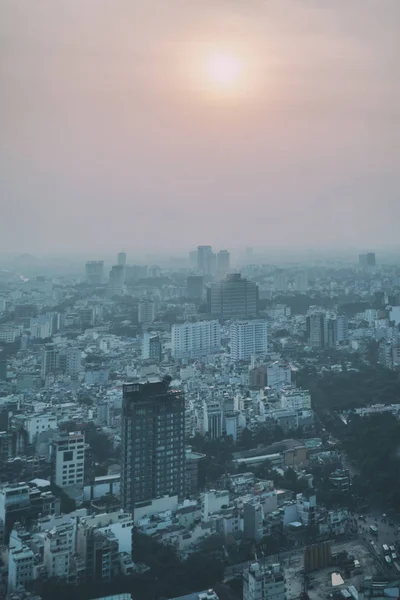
(223, 70)
(226, 71)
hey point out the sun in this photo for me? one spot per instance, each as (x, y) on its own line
(223, 70)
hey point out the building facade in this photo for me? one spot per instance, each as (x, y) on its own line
(94, 272)
(152, 347)
(194, 287)
(292, 398)
(206, 260)
(195, 339)
(117, 278)
(121, 258)
(264, 582)
(20, 568)
(153, 443)
(68, 453)
(223, 263)
(248, 338)
(146, 311)
(233, 297)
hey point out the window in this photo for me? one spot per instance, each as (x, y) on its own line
(68, 455)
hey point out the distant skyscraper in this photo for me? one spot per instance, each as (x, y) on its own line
(335, 331)
(117, 277)
(121, 258)
(153, 443)
(316, 329)
(206, 260)
(248, 338)
(326, 330)
(94, 272)
(195, 339)
(223, 262)
(234, 297)
(152, 347)
(146, 311)
(367, 260)
(194, 287)
(87, 317)
(135, 272)
(50, 360)
(213, 417)
(73, 361)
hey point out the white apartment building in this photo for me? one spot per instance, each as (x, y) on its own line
(146, 311)
(59, 545)
(231, 424)
(36, 424)
(20, 568)
(195, 339)
(8, 335)
(248, 338)
(13, 496)
(212, 502)
(69, 457)
(306, 508)
(293, 398)
(119, 523)
(264, 582)
(73, 362)
(279, 374)
(40, 329)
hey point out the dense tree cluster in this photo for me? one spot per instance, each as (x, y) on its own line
(351, 388)
(168, 575)
(372, 443)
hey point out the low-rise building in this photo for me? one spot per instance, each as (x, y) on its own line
(264, 582)
(20, 568)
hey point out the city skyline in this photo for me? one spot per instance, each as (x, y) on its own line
(199, 299)
(110, 131)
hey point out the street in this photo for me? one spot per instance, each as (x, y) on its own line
(387, 534)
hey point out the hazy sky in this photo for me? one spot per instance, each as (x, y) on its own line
(111, 135)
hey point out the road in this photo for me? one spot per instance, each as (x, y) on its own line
(386, 534)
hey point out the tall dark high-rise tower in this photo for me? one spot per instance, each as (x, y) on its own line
(153, 443)
(233, 297)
